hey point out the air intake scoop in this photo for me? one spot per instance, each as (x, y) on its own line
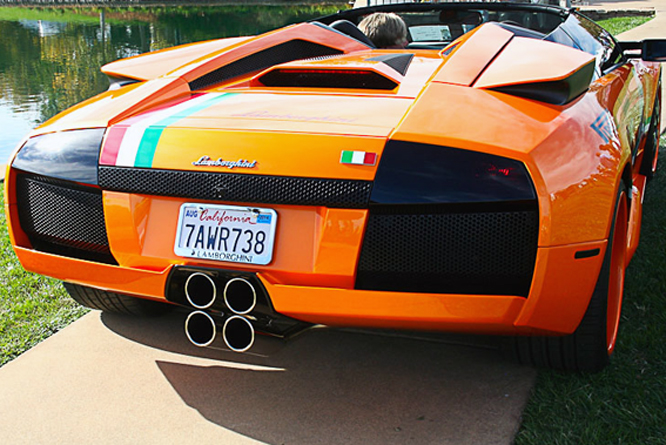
(344, 72)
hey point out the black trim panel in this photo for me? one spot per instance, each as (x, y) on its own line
(399, 62)
(282, 53)
(587, 253)
(63, 218)
(435, 251)
(411, 173)
(233, 187)
(557, 92)
(326, 78)
(70, 155)
(446, 220)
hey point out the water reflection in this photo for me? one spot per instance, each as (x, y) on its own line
(50, 59)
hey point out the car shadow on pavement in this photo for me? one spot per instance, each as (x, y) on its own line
(336, 386)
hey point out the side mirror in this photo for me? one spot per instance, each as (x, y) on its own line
(654, 50)
(650, 50)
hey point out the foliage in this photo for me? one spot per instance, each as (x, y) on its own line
(50, 68)
(51, 56)
(261, 15)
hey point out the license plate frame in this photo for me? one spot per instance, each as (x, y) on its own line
(220, 233)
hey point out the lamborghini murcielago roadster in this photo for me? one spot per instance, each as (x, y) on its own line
(488, 178)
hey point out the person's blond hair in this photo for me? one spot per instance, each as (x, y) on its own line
(384, 29)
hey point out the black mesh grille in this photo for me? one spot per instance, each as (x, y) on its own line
(63, 218)
(472, 252)
(231, 187)
(282, 53)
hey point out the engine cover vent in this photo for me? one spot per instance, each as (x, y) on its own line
(326, 78)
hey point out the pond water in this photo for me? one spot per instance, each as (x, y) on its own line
(50, 58)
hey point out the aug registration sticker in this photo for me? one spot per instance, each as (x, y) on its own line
(226, 233)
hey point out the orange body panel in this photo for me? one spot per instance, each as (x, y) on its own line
(338, 307)
(313, 246)
(138, 282)
(249, 145)
(522, 62)
(562, 288)
(155, 64)
(462, 68)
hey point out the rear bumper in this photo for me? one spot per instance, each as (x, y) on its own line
(559, 296)
(312, 278)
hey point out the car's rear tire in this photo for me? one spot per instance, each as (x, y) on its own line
(115, 303)
(589, 347)
(651, 150)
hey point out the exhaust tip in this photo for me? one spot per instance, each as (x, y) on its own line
(240, 296)
(200, 290)
(200, 329)
(238, 333)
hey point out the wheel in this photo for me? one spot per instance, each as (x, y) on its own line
(590, 346)
(115, 303)
(651, 150)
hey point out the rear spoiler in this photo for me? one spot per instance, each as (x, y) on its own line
(650, 50)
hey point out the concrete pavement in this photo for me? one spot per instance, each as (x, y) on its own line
(655, 28)
(118, 380)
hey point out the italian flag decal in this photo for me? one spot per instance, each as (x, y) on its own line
(133, 143)
(358, 158)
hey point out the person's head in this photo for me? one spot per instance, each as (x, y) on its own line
(386, 30)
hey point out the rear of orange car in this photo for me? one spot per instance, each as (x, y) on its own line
(373, 189)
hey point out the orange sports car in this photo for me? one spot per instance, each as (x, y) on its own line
(488, 177)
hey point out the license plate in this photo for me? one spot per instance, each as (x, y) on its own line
(226, 233)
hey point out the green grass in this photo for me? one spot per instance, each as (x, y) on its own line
(618, 25)
(625, 403)
(32, 307)
(49, 14)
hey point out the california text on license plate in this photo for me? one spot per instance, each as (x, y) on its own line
(226, 233)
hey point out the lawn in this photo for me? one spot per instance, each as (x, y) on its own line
(32, 307)
(618, 25)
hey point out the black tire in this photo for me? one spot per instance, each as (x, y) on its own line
(590, 346)
(652, 139)
(115, 303)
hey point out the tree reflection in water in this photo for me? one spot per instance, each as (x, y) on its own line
(50, 58)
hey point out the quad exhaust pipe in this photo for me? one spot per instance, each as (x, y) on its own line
(239, 296)
(236, 331)
(200, 290)
(229, 308)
